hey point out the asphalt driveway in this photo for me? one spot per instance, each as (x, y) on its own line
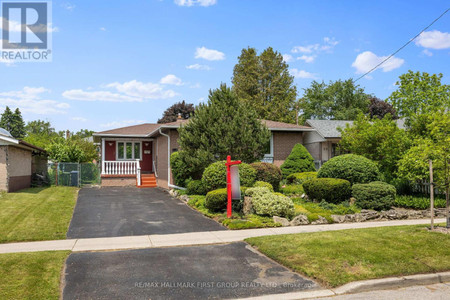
(196, 272)
(125, 211)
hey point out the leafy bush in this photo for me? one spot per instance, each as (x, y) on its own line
(375, 195)
(271, 204)
(268, 173)
(215, 175)
(196, 187)
(263, 184)
(418, 202)
(298, 161)
(331, 190)
(351, 167)
(180, 172)
(216, 200)
(299, 178)
(257, 191)
(294, 189)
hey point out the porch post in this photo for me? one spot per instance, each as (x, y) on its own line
(103, 156)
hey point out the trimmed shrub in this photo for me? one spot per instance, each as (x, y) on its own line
(215, 175)
(293, 189)
(375, 195)
(298, 161)
(351, 167)
(256, 191)
(216, 200)
(179, 171)
(299, 178)
(331, 190)
(268, 173)
(271, 204)
(263, 184)
(196, 187)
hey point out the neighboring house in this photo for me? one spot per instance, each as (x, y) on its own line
(18, 161)
(146, 149)
(322, 143)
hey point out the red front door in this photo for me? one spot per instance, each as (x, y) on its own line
(147, 156)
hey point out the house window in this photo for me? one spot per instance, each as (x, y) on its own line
(128, 150)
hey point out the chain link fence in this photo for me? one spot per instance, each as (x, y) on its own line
(74, 174)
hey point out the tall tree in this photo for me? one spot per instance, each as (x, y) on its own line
(379, 108)
(186, 110)
(222, 126)
(264, 83)
(13, 122)
(420, 93)
(40, 133)
(338, 100)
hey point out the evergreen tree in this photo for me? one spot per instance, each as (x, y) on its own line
(186, 110)
(264, 83)
(13, 122)
(223, 126)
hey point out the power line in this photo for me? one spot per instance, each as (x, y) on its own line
(386, 59)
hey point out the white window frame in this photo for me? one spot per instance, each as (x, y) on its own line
(125, 150)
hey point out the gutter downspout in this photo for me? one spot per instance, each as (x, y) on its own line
(168, 162)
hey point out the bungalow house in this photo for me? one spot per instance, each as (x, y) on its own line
(322, 142)
(18, 161)
(139, 155)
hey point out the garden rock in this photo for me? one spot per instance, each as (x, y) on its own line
(338, 218)
(300, 220)
(282, 221)
(367, 214)
(321, 220)
(248, 206)
(184, 198)
(393, 214)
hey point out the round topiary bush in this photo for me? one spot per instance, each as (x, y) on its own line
(263, 184)
(216, 200)
(271, 204)
(331, 190)
(196, 187)
(299, 178)
(255, 191)
(268, 173)
(351, 167)
(298, 161)
(375, 195)
(215, 175)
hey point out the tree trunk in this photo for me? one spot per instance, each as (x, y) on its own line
(447, 214)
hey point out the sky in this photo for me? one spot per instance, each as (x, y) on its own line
(121, 63)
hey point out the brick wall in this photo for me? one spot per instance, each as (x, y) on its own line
(19, 162)
(283, 142)
(119, 181)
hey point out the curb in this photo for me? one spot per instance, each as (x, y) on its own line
(364, 286)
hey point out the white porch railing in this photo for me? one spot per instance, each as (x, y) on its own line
(120, 167)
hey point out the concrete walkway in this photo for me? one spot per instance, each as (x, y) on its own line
(185, 239)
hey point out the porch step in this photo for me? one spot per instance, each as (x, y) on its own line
(148, 181)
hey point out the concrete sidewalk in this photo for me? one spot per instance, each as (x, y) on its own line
(185, 239)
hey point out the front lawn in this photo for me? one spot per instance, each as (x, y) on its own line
(31, 275)
(338, 257)
(36, 214)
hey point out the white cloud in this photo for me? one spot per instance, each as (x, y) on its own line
(209, 54)
(106, 96)
(145, 90)
(171, 79)
(198, 67)
(302, 74)
(131, 91)
(123, 123)
(305, 49)
(79, 119)
(427, 52)
(434, 39)
(68, 6)
(288, 57)
(365, 61)
(29, 100)
(195, 86)
(195, 2)
(102, 29)
(17, 27)
(7, 62)
(307, 58)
